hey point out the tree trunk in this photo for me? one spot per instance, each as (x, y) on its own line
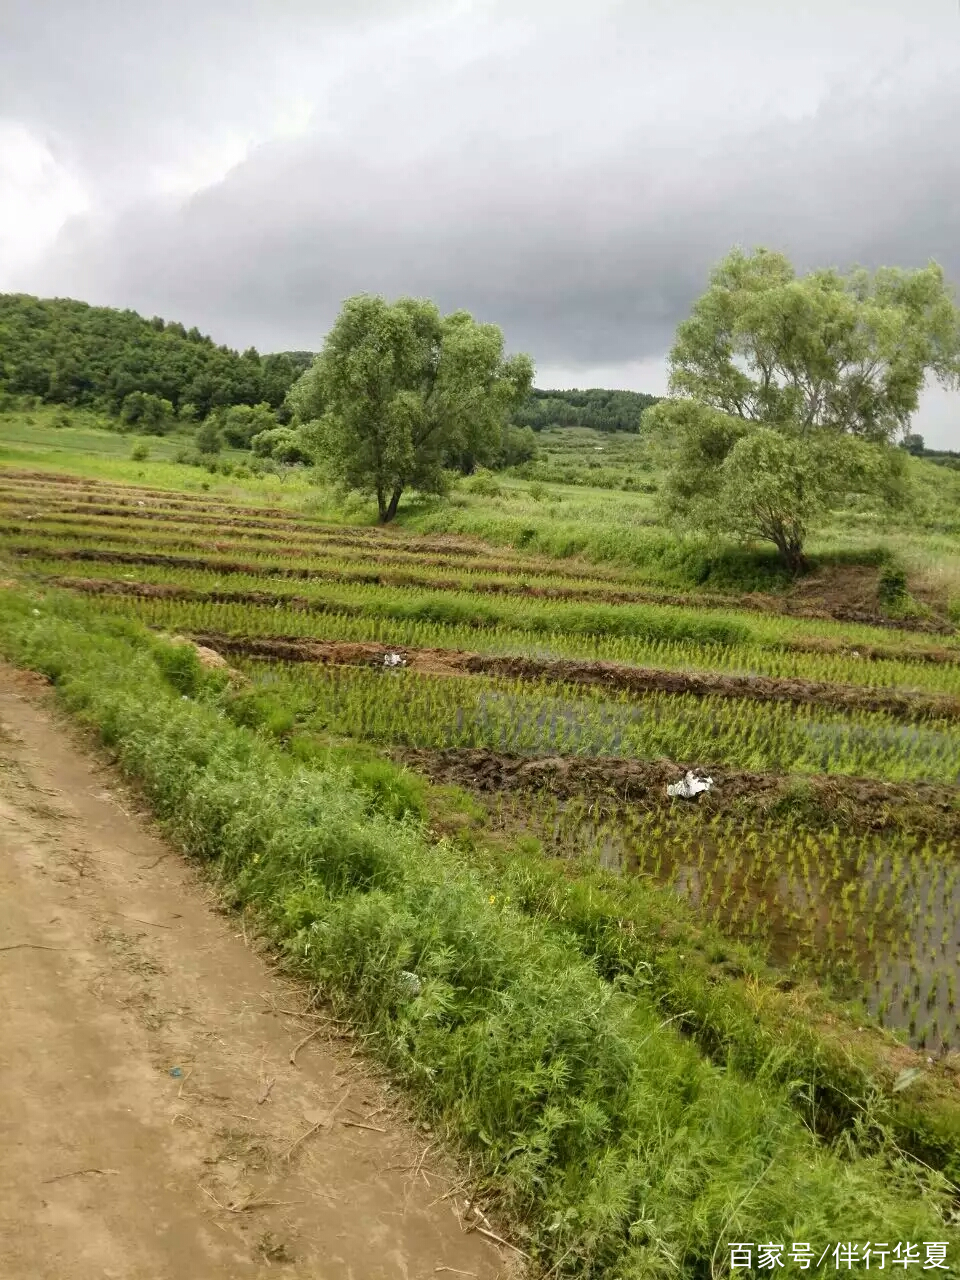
(391, 509)
(381, 506)
(791, 553)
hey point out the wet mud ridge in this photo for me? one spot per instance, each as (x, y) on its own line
(171, 1108)
(604, 675)
(856, 804)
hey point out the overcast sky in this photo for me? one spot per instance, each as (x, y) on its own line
(569, 170)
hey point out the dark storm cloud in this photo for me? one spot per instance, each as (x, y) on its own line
(580, 260)
(568, 171)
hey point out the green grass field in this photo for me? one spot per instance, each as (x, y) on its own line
(650, 1025)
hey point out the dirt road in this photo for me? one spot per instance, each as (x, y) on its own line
(149, 1110)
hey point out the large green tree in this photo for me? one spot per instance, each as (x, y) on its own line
(400, 393)
(788, 391)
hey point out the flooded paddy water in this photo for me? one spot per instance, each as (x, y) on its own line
(875, 916)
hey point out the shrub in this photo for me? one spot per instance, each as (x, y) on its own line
(892, 585)
(147, 412)
(208, 439)
(484, 484)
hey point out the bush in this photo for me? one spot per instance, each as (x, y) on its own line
(484, 484)
(208, 439)
(518, 446)
(139, 453)
(892, 586)
(283, 444)
(242, 422)
(147, 412)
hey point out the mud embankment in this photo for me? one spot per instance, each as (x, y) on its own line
(855, 804)
(603, 675)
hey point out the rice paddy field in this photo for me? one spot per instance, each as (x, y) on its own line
(796, 926)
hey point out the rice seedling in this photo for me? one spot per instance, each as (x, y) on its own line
(540, 718)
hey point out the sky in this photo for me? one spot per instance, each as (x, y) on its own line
(569, 171)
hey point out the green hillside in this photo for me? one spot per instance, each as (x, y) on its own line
(68, 352)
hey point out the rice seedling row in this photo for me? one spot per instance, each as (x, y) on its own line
(168, 610)
(535, 616)
(635, 682)
(543, 718)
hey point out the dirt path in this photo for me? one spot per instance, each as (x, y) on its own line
(147, 1098)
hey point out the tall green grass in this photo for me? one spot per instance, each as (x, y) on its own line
(617, 1150)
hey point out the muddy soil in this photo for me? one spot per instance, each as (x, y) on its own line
(604, 675)
(856, 804)
(152, 1122)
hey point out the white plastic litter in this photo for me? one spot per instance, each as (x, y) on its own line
(689, 786)
(394, 660)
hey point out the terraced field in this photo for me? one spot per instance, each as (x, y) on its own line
(437, 771)
(829, 836)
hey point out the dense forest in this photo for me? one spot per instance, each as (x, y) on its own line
(67, 352)
(151, 373)
(602, 410)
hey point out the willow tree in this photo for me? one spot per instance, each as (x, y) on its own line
(788, 392)
(399, 392)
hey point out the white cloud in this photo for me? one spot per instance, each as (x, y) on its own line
(938, 419)
(39, 194)
(632, 375)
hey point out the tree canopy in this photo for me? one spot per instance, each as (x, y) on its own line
(787, 392)
(400, 394)
(68, 352)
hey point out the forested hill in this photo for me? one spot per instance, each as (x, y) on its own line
(597, 408)
(71, 353)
